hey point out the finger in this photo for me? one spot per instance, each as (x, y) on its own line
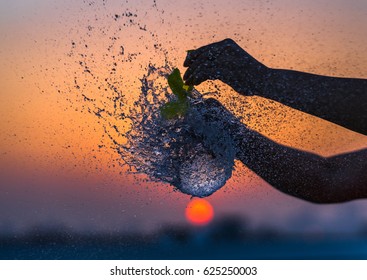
(201, 74)
(191, 78)
(210, 73)
(205, 60)
(192, 69)
(188, 73)
(195, 80)
(195, 65)
(192, 56)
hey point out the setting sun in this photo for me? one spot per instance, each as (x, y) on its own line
(199, 212)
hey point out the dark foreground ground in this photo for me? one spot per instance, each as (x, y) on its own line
(225, 240)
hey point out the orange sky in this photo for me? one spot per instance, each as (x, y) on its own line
(42, 134)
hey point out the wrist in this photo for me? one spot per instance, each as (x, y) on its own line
(263, 82)
(252, 79)
(243, 139)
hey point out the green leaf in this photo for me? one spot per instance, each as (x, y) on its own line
(174, 109)
(176, 84)
(180, 106)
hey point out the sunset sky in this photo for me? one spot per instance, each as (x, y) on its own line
(57, 167)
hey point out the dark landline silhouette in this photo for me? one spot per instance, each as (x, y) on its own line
(301, 174)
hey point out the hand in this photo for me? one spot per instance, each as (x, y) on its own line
(224, 124)
(228, 62)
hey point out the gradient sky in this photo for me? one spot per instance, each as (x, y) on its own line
(52, 172)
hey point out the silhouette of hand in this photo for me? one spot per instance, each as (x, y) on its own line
(228, 62)
(213, 114)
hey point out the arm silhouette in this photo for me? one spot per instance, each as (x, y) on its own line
(339, 100)
(303, 174)
(297, 173)
(342, 101)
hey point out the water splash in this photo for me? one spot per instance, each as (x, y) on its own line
(193, 152)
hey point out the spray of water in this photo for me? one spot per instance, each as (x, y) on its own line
(194, 152)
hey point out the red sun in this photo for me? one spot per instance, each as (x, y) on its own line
(199, 212)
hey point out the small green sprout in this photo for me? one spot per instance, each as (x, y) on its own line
(179, 106)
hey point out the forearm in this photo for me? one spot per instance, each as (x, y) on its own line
(302, 174)
(339, 100)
